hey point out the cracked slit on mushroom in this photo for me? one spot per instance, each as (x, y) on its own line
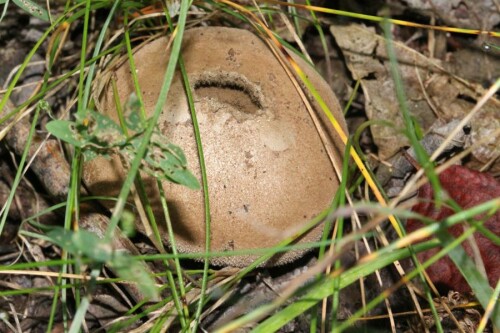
(229, 89)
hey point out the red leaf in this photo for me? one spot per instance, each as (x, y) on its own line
(467, 188)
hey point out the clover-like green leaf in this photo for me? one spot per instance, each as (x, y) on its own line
(65, 130)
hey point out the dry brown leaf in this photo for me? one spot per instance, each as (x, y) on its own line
(473, 14)
(450, 97)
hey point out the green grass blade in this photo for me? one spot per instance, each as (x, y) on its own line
(33, 9)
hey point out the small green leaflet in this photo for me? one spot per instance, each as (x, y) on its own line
(65, 130)
(85, 244)
(91, 129)
(132, 270)
(167, 162)
(132, 109)
(82, 243)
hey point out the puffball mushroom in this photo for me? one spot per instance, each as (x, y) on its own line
(268, 171)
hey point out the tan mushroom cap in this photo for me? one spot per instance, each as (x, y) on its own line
(268, 170)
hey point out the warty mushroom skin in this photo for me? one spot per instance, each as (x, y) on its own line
(267, 168)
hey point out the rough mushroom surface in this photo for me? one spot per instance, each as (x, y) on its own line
(268, 168)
